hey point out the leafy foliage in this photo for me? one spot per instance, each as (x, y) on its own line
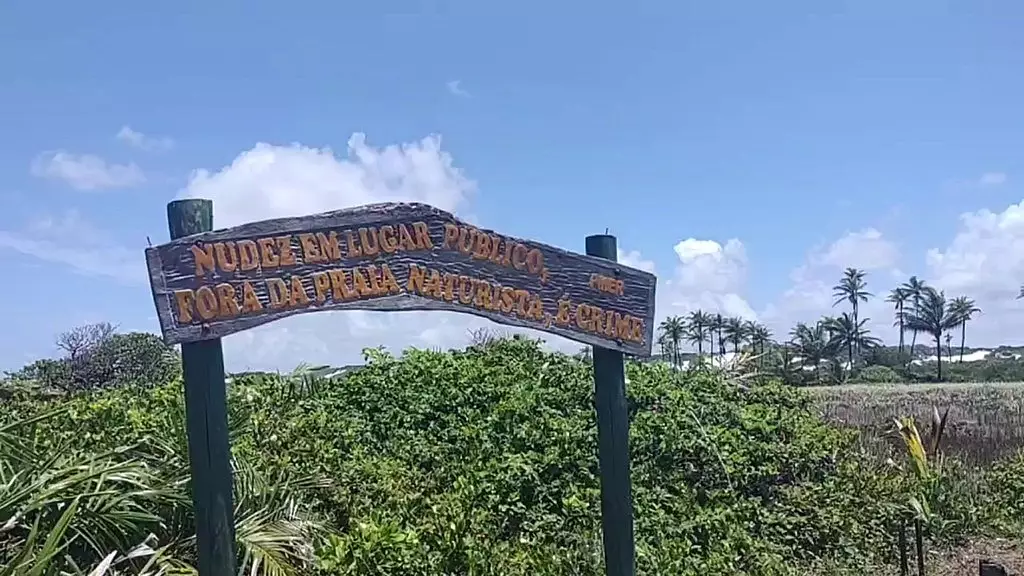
(97, 357)
(480, 461)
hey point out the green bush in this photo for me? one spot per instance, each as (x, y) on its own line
(484, 461)
(879, 375)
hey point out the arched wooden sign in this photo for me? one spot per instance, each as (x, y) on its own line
(393, 257)
(389, 257)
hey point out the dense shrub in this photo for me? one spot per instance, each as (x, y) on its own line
(110, 360)
(879, 375)
(484, 461)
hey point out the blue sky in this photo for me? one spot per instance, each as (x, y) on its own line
(787, 126)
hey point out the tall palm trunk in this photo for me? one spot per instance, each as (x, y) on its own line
(855, 308)
(963, 338)
(902, 330)
(849, 350)
(938, 348)
(711, 344)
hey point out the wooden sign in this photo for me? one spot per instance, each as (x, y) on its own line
(393, 257)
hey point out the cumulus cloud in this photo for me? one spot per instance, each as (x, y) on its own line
(142, 141)
(708, 276)
(810, 296)
(865, 249)
(86, 171)
(985, 261)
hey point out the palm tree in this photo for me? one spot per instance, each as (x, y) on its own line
(759, 336)
(694, 334)
(717, 327)
(815, 344)
(914, 288)
(735, 332)
(784, 363)
(852, 288)
(851, 334)
(933, 316)
(964, 308)
(698, 322)
(898, 297)
(674, 329)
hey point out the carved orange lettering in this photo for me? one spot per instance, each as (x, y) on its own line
(268, 259)
(417, 275)
(250, 302)
(310, 249)
(341, 289)
(522, 303)
(226, 303)
(405, 240)
(185, 299)
(388, 241)
(482, 250)
(422, 232)
(375, 285)
(432, 287)
(299, 296)
(330, 250)
(562, 317)
(466, 240)
(465, 289)
(369, 242)
(203, 254)
(352, 243)
(321, 286)
(361, 285)
(227, 256)
(248, 255)
(206, 303)
(278, 292)
(519, 256)
(388, 280)
(507, 299)
(451, 236)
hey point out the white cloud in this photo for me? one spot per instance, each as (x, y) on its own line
(455, 89)
(811, 296)
(270, 181)
(86, 171)
(634, 259)
(142, 141)
(992, 179)
(708, 276)
(71, 241)
(865, 250)
(985, 261)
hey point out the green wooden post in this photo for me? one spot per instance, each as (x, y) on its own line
(207, 421)
(613, 441)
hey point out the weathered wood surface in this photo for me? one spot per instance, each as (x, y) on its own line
(584, 298)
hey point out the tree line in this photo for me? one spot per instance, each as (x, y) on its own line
(839, 344)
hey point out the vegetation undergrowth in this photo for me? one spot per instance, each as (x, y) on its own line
(480, 461)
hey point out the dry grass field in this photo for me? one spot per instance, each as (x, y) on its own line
(986, 420)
